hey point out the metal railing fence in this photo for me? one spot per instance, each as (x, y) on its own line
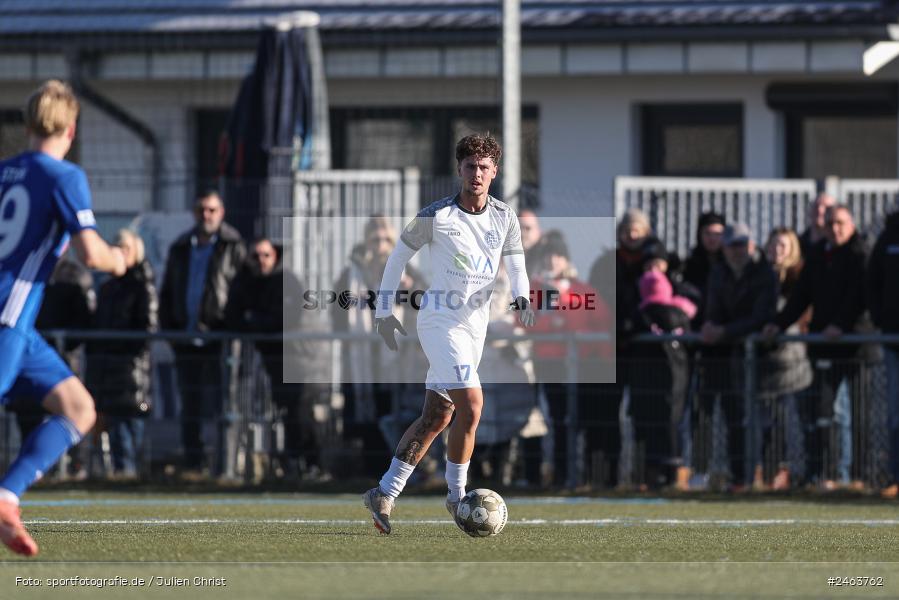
(246, 410)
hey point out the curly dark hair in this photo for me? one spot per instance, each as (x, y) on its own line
(479, 146)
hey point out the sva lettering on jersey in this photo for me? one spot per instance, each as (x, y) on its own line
(473, 263)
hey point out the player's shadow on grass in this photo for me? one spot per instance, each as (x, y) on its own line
(340, 533)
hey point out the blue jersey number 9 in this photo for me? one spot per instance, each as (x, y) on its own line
(14, 207)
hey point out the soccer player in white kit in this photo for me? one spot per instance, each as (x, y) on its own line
(467, 235)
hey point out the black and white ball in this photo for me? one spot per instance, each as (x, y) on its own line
(482, 513)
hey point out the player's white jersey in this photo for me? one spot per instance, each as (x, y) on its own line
(466, 249)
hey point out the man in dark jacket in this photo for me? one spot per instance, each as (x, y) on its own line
(262, 295)
(741, 298)
(198, 274)
(883, 302)
(705, 255)
(816, 217)
(624, 265)
(118, 371)
(833, 284)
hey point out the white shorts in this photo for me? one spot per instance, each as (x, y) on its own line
(453, 356)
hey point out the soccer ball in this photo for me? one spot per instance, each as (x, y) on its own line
(482, 513)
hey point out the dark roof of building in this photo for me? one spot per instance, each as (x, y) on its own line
(611, 19)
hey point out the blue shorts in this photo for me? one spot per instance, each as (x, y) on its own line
(29, 366)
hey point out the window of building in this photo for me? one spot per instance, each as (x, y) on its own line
(692, 140)
(862, 147)
(847, 130)
(389, 143)
(392, 138)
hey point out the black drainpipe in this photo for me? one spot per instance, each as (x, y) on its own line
(84, 91)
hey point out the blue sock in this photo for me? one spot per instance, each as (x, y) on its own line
(40, 451)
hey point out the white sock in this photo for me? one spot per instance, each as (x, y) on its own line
(395, 478)
(456, 478)
(7, 496)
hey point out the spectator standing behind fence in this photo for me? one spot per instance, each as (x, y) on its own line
(69, 303)
(262, 295)
(657, 259)
(785, 370)
(659, 400)
(118, 371)
(832, 283)
(597, 412)
(624, 265)
(742, 298)
(704, 256)
(200, 267)
(511, 423)
(816, 216)
(883, 301)
(537, 471)
(367, 396)
(530, 236)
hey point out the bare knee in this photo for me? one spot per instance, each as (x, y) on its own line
(470, 416)
(87, 416)
(72, 400)
(437, 412)
(468, 408)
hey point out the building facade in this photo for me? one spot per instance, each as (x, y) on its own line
(724, 88)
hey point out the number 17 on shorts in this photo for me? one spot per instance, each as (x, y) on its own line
(463, 372)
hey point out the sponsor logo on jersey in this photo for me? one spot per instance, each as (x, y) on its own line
(461, 261)
(454, 233)
(492, 239)
(473, 263)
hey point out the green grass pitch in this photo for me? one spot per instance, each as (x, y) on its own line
(324, 546)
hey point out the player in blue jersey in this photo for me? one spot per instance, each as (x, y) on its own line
(45, 204)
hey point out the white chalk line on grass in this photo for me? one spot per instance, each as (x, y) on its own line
(315, 500)
(563, 522)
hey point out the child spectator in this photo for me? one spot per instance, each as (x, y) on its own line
(664, 390)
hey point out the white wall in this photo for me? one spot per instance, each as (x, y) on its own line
(589, 132)
(588, 128)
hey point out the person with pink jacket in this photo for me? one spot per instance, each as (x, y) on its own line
(659, 400)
